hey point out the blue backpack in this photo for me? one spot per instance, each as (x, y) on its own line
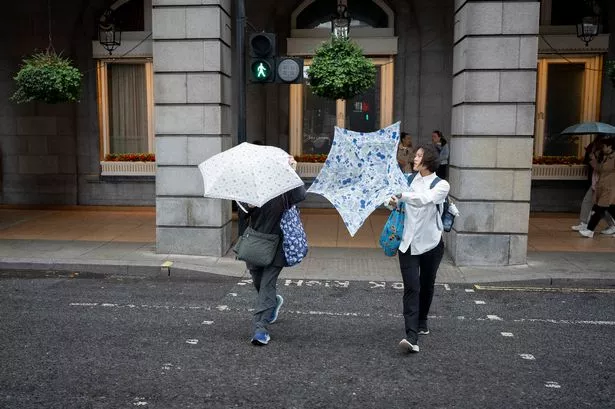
(447, 218)
(294, 239)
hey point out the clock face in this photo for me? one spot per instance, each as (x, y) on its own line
(288, 70)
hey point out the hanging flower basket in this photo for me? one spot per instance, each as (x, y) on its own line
(340, 70)
(47, 77)
(610, 70)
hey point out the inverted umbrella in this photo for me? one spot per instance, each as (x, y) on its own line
(360, 173)
(248, 173)
(598, 128)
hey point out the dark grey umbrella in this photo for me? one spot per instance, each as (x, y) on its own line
(584, 128)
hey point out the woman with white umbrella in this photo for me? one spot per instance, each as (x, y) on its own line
(264, 183)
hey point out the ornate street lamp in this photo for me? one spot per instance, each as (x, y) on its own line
(340, 23)
(588, 28)
(108, 34)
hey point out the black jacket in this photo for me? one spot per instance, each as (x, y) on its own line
(266, 219)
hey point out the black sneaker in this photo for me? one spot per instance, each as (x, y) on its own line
(423, 330)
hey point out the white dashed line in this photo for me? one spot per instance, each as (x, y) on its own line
(507, 334)
(222, 307)
(469, 290)
(494, 318)
(207, 322)
(552, 384)
(478, 302)
(233, 294)
(192, 341)
(529, 357)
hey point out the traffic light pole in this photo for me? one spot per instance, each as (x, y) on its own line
(240, 30)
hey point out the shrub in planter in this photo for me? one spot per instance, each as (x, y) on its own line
(339, 70)
(47, 77)
(130, 157)
(610, 70)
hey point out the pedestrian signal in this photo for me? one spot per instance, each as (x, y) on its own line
(262, 57)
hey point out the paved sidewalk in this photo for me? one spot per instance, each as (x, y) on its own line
(321, 264)
(120, 242)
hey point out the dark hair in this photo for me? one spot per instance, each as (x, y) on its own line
(431, 157)
(442, 140)
(403, 135)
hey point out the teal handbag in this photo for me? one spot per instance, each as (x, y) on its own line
(390, 238)
(257, 248)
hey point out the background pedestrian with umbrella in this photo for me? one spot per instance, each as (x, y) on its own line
(261, 178)
(601, 130)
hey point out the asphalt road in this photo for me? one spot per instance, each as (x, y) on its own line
(110, 342)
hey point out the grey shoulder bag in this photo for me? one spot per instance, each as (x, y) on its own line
(257, 248)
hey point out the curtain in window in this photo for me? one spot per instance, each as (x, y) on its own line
(127, 108)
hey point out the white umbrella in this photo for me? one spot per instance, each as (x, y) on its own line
(248, 173)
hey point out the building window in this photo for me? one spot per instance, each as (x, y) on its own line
(568, 91)
(125, 104)
(312, 118)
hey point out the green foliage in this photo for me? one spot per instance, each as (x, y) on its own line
(47, 77)
(610, 70)
(340, 70)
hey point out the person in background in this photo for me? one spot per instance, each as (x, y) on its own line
(443, 150)
(421, 248)
(603, 162)
(405, 154)
(588, 202)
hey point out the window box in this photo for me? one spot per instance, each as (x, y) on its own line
(308, 170)
(559, 172)
(117, 168)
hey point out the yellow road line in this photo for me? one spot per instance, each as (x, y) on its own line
(545, 289)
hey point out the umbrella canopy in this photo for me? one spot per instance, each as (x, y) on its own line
(248, 173)
(589, 128)
(360, 173)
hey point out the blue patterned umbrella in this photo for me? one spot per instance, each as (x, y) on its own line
(360, 173)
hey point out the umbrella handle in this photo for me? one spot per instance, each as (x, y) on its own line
(242, 208)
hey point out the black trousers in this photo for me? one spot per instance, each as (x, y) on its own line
(419, 276)
(598, 213)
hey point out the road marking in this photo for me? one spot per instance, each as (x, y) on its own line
(192, 341)
(545, 289)
(233, 294)
(582, 322)
(139, 402)
(478, 302)
(447, 287)
(469, 290)
(507, 334)
(552, 384)
(529, 357)
(226, 308)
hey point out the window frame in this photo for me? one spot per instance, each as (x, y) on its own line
(296, 104)
(103, 101)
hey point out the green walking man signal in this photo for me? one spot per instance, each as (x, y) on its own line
(265, 66)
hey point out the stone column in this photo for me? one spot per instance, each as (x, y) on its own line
(494, 92)
(192, 93)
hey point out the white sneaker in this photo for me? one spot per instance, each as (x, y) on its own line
(610, 230)
(586, 233)
(406, 346)
(580, 226)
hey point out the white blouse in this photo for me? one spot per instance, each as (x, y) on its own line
(422, 222)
